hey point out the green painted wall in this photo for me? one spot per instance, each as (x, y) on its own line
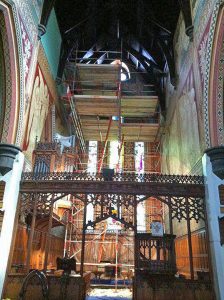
(51, 42)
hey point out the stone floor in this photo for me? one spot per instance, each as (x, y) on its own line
(109, 294)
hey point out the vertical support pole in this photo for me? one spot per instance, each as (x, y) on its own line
(210, 268)
(172, 255)
(116, 260)
(83, 237)
(65, 242)
(53, 122)
(70, 236)
(170, 215)
(48, 236)
(189, 240)
(31, 235)
(105, 146)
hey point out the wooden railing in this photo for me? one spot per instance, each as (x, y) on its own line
(156, 254)
(131, 177)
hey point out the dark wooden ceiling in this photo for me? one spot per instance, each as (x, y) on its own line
(143, 13)
(142, 30)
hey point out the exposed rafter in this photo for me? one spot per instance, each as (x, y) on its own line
(46, 11)
(186, 11)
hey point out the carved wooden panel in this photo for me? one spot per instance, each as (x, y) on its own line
(156, 254)
(153, 208)
(38, 247)
(199, 249)
(129, 156)
(152, 157)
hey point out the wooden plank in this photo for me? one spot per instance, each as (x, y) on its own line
(121, 187)
(95, 74)
(138, 106)
(107, 105)
(131, 131)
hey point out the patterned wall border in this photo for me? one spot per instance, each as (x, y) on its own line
(8, 85)
(215, 104)
(208, 69)
(25, 13)
(18, 140)
(14, 99)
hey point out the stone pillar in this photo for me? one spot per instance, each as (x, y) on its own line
(10, 206)
(212, 183)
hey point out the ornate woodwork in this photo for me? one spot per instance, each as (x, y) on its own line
(151, 157)
(183, 195)
(118, 207)
(123, 183)
(129, 156)
(156, 254)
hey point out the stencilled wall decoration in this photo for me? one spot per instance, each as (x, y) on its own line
(38, 112)
(27, 49)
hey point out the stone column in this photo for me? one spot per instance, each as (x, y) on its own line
(212, 183)
(10, 206)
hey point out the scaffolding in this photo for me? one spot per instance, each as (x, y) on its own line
(104, 109)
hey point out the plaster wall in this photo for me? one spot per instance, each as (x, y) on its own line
(32, 66)
(184, 139)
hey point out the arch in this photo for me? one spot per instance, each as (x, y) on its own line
(42, 279)
(113, 216)
(214, 80)
(2, 85)
(13, 75)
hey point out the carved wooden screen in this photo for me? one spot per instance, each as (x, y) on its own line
(156, 254)
(129, 156)
(152, 157)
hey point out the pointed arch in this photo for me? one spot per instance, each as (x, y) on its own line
(214, 80)
(13, 78)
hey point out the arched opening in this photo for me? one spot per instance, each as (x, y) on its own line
(11, 85)
(2, 83)
(214, 123)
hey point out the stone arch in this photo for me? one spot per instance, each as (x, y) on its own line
(13, 98)
(214, 80)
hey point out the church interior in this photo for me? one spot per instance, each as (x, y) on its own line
(112, 149)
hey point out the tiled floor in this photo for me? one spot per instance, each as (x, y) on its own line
(109, 294)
